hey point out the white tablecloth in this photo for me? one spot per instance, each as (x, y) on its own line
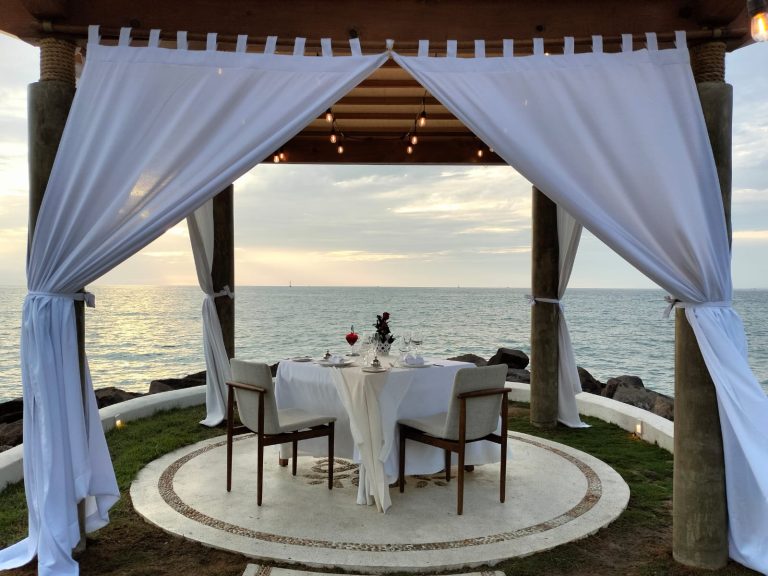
(375, 402)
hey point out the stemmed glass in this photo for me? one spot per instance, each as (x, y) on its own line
(405, 343)
(417, 340)
(351, 339)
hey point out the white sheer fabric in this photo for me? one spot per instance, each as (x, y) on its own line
(568, 382)
(619, 141)
(217, 369)
(152, 134)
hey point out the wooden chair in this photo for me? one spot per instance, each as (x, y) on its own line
(477, 399)
(254, 391)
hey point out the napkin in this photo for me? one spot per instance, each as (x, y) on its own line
(413, 359)
(336, 359)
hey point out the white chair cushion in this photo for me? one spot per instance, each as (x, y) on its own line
(292, 419)
(433, 425)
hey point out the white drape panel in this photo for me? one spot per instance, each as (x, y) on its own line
(568, 382)
(152, 134)
(217, 369)
(619, 141)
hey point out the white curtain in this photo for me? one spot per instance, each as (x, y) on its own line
(568, 382)
(217, 370)
(152, 134)
(619, 141)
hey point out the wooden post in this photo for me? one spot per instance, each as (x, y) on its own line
(699, 512)
(48, 104)
(223, 265)
(545, 255)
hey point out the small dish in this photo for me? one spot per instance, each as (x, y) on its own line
(374, 370)
(301, 359)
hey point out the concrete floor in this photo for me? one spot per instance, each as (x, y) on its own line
(555, 494)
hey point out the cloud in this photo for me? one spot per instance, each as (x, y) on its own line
(750, 235)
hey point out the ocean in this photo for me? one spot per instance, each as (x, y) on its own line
(140, 333)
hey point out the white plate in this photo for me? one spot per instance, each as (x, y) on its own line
(339, 365)
(301, 359)
(404, 365)
(373, 370)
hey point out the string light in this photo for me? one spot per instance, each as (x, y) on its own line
(281, 154)
(276, 158)
(414, 139)
(340, 149)
(328, 115)
(479, 152)
(409, 149)
(334, 137)
(422, 120)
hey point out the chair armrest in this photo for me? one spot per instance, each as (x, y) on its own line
(485, 392)
(244, 386)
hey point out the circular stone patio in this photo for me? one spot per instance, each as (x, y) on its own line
(555, 494)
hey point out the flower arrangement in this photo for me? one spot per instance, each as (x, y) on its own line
(383, 333)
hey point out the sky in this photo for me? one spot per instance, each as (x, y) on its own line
(392, 225)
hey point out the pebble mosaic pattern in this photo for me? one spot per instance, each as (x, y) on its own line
(592, 495)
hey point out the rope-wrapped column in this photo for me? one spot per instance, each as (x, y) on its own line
(699, 508)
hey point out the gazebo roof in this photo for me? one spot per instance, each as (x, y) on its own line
(376, 116)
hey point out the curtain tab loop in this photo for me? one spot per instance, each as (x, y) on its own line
(597, 44)
(154, 38)
(242, 43)
(93, 34)
(389, 44)
(271, 45)
(210, 42)
(423, 48)
(538, 46)
(451, 49)
(681, 42)
(626, 43)
(650, 41)
(508, 47)
(479, 48)
(298, 46)
(327, 48)
(181, 40)
(568, 45)
(354, 45)
(125, 37)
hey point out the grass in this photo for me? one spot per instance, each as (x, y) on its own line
(638, 543)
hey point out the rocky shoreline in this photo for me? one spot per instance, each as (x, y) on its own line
(625, 388)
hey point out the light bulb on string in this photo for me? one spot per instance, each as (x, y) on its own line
(340, 149)
(281, 154)
(758, 13)
(334, 137)
(328, 115)
(276, 158)
(479, 152)
(409, 149)
(422, 119)
(414, 139)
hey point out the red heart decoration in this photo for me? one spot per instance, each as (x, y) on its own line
(351, 338)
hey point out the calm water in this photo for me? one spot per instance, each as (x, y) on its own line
(137, 334)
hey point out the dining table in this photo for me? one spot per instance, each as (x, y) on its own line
(367, 406)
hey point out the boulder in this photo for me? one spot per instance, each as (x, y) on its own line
(111, 395)
(168, 384)
(11, 434)
(473, 358)
(613, 384)
(664, 407)
(11, 411)
(512, 358)
(589, 383)
(518, 375)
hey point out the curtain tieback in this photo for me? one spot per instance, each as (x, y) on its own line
(673, 302)
(87, 297)
(223, 292)
(533, 299)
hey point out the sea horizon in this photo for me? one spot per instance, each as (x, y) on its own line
(141, 332)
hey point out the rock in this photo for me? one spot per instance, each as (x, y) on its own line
(664, 407)
(11, 433)
(614, 384)
(630, 390)
(11, 411)
(512, 358)
(111, 395)
(589, 383)
(168, 384)
(518, 375)
(473, 358)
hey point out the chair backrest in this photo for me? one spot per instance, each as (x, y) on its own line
(256, 374)
(482, 413)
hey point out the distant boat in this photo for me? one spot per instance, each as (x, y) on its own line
(290, 285)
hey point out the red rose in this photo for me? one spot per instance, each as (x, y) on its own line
(386, 316)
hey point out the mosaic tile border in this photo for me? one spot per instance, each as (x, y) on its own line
(591, 497)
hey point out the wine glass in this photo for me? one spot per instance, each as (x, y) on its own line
(405, 343)
(417, 339)
(352, 339)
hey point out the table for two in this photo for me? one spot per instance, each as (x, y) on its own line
(367, 407)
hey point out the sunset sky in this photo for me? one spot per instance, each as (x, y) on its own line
(394, 225)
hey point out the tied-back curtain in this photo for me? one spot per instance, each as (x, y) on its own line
(217, 369)
(619, 141)
(568, 382)
(152, 134)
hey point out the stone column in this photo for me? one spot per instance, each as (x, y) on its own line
(545, 256)
(48, 104)
(223, 265)
(700, 520)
